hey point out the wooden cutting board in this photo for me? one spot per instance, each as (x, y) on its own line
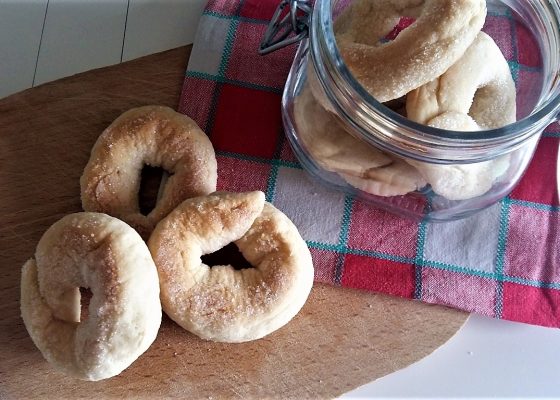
(340, 340)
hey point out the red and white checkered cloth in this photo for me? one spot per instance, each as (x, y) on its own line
(503, 262)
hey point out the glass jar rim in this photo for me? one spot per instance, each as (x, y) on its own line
(519, 131)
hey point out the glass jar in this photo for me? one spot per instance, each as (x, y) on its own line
(338, 130)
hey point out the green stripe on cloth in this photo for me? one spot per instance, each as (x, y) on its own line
(536, 206)
(419, 259)
(531, 282)
(514, 68)
(461, 270)
(236, 17)
(230, 37)
(343, 237)
(346, 219)
(500, 256)
(223, 79)
(271, 183)
(358, 252)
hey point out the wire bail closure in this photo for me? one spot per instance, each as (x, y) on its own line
(279, 31)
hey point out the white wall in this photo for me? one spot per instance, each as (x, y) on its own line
(44, 40)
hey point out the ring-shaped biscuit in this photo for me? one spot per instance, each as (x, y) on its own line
(480, 84)
(478, 92)
(442, 32)
(460, 181)
(360, 165)
(220, 303)
(155, 136)
(104, 254)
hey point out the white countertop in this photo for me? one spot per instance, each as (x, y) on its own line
(487, 358)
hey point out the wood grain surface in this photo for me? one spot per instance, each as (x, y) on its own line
(340, 340)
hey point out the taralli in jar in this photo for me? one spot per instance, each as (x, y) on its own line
(220, 303)
(362, 166)
(443, 30)
(478, 92)
(155, 136)
(106, 255)
(460, 181)
(479, 84)
(394, 180)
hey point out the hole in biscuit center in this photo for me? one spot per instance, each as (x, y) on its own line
(85, 298)
(150, 181)
(228, 255)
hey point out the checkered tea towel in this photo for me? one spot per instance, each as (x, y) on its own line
(503, 262)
